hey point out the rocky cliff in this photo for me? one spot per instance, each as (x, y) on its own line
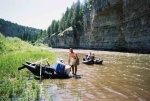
(66, 39)
(122, 25)
(118, 25)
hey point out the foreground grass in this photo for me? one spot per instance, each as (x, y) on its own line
(14, 84)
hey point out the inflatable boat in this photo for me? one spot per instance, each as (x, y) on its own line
(91, 61)
(60, 70)
(88, 61)
(98, 61)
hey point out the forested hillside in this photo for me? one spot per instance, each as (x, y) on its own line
(73, 16)
(8, 28)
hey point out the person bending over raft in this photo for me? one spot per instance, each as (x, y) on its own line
(90, 56)
(73, 61)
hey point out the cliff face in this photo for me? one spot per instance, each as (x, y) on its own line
(65, 39)
(122, 25)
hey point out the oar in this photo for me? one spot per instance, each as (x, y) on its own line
(40, 69)
(21, 67)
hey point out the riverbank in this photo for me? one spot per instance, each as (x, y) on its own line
(15, 85)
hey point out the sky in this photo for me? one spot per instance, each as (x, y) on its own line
(34, 13)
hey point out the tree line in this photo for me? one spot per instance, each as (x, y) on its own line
(25, 33)
(72, 17)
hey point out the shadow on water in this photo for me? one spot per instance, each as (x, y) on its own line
(54, 77)
(77, 76)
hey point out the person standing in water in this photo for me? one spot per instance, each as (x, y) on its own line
(73, 61)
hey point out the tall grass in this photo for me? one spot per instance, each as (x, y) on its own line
(9, 44)
(14, 84)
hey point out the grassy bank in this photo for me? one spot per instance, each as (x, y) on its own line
(14, 84)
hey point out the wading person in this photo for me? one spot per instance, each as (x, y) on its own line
(73, 61)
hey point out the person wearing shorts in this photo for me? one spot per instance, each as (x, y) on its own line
(73, 61)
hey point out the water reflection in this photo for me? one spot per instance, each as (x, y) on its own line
(121, 77)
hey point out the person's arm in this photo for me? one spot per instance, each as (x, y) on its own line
(69, 59)
(76, 56)
(89, 55)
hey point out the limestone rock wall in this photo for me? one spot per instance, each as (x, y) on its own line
(122, 25)
(137, 24)
(65, 39)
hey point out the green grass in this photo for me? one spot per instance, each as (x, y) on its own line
(9, 44)
(14, 84)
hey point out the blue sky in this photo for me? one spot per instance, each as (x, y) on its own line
(33, 13)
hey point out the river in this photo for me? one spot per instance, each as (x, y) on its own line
(121, 77)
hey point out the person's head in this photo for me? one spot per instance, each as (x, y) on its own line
(71, 50)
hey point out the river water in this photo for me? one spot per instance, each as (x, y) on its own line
(121, 77)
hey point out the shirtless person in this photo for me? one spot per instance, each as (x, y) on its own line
(91, 56)
(72, 61)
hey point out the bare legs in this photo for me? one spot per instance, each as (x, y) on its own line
(74, 69)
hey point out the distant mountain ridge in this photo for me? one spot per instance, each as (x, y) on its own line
(8, 28)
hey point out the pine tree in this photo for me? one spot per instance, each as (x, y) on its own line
(49, 31)
(72, 17)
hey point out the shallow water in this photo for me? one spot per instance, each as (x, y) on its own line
(121, 77)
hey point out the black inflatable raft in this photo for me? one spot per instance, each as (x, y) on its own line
(46, 71)
(91, 61)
